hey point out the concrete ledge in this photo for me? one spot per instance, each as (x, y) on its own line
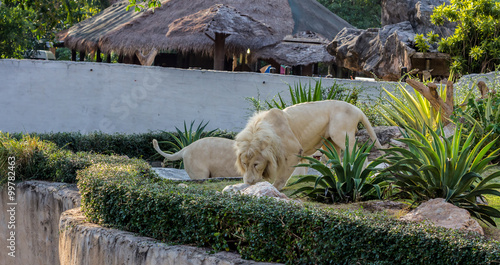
(82, 243)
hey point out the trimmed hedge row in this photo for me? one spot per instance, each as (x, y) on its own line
(127, 196)
(132, 145)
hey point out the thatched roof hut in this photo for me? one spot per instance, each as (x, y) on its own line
(126, 33)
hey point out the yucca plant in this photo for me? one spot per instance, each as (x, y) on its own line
(483, 114)
(440, 167)
(342, 179)
(301, 94)
(413, 110)
(187, 137)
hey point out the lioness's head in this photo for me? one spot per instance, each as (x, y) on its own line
(258, 153)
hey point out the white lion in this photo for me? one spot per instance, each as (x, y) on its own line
(270, 145)
(209, 157)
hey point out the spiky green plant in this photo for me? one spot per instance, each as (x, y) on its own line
(412, 110)
(187, 137)
(441, 167)
(306, 93)
(341, 180)
(482, 114)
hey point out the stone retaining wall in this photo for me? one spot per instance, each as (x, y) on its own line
(51, 230)
(39, 206)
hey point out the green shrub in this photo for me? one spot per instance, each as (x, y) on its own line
(423, 44)
(136, 145)
(37, 159)
(341, 180)
(302, 94)
(483, 115)
(127, 197)
(442, 167)
(410, 110)
(475, 45)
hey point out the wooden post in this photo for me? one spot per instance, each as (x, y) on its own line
(219, 51)
(431, 94)
(98, 56)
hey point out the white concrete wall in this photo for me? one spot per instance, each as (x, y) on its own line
(63, 96)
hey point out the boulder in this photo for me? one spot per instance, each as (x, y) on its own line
(441, 213)
(235, 188)
(394, 11)
(260, 189)
(383, 52)
(384, 134)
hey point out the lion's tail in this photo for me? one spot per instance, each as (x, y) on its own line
(173, 157)
(370, 130)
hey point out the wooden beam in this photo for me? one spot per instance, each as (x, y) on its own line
(219, 51)
(98, 56)
(431, 94)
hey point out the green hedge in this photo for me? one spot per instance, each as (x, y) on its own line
(127, 196)
(132, 145)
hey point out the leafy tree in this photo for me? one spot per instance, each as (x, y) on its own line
(362, 14)
(475, 45)
(26, 23)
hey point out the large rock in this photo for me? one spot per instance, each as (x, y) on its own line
(441, 213)
(374, 51)
(261, 189)
(385, 134)
(417, 12)
(385, 51)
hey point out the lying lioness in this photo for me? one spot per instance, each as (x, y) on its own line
(209, 157)
(272, 141)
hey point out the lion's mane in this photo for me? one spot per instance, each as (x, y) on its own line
(258, 137)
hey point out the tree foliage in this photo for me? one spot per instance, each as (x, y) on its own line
(475, 45)
(24, 24)
(362, 14)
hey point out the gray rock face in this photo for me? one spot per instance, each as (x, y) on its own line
(419, 15)
(385, 51)
(441, 213)
(384, 134)
(374, 51)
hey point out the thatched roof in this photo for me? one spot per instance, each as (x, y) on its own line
(200, 28)
(302, 48)
(124, 32)
(86, 35)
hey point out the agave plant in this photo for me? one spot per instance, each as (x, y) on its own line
(187, 137)
(440, 167)
(341, 180)
(413, 110)
(484, 114)
(301, 94)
